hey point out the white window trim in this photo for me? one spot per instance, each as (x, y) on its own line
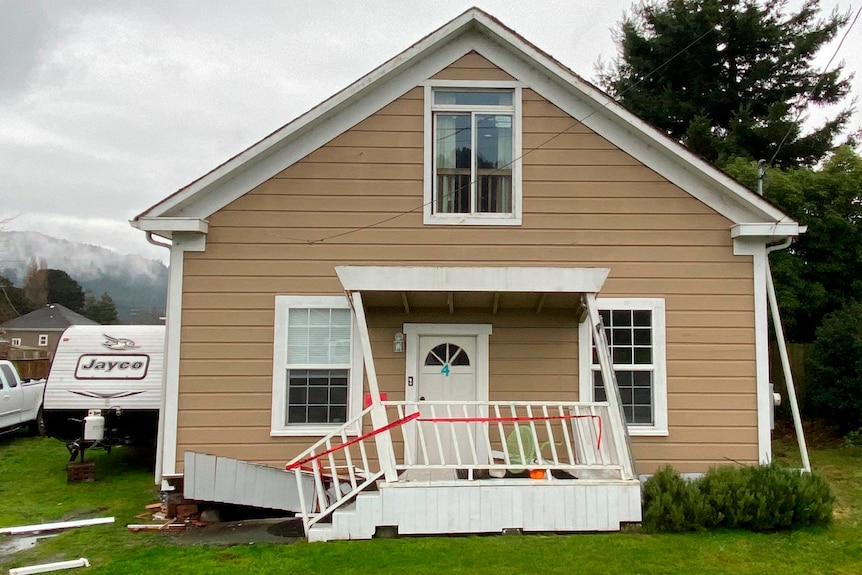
(16, 341)
(512, 219)
(279, 361)
(585, 343)
(43, 339)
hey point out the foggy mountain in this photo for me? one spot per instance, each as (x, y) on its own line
(137, 285)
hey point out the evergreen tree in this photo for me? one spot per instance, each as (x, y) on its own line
(100, 310)
(820, 272)
(730, 77)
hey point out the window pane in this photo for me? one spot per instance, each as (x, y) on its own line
(622, 355)
(494, 163)
(643, 355)
(635, 389)
(473, 97)
(453, 156)
(643, 318)
(621, 318)
(317, 396)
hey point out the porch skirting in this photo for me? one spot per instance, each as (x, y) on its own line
(485, 506)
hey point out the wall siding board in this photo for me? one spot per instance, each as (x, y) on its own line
(585, 203)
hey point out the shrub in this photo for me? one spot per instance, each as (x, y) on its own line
(671, 503)
(835, 365)
(762, 498)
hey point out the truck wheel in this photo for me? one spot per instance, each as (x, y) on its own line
(37, 426)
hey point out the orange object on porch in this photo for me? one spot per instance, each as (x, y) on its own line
(537, 474)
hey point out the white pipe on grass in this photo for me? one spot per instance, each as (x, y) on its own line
(46, 567)
(39, 527)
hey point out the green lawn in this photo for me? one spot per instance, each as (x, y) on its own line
(34, 489)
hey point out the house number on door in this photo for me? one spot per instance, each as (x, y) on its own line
(445, 370)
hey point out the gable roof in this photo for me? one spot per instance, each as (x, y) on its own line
(52, 317)
(474, 30)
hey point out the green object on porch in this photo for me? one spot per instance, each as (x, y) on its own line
(515, 455)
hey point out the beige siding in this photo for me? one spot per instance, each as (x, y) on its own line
(586, 203)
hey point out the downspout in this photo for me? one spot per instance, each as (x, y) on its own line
(160, 440)
(782, 350)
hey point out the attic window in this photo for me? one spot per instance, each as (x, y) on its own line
(473, 155)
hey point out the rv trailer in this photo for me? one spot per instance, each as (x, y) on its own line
(105, 386)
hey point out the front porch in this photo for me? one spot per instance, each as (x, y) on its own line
(471, 467)
(449, 460)
(457, 452)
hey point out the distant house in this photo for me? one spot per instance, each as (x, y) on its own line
(42, 328)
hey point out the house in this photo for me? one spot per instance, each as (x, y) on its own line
(401, 296)
(43, 327)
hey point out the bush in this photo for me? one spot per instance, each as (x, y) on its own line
(763, 498)
(835, 364)
(671, 503)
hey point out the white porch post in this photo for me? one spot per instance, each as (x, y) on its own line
(378, 412)
(785, 364)
(609, 378)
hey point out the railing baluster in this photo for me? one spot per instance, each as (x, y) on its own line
(437, 435)
(333, 470)
(303, 507)
(470, 436)
(453, 433)
(502, 434)
(585, 451)
(551, 437)
(522, 456)
(486, 433)
(407, 442)
(568, 427)
(318, 485)
(420, 430)
(600, 454)
(351, 473)
(535, 435)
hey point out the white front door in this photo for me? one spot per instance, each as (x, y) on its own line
(448, 363)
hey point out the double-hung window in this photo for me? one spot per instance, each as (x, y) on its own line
(317, 369)
(473, 144)
(635, 330)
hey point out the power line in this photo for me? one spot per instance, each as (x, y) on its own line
(524, 154)
(822, 77)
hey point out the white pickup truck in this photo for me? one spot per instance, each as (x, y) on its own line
(20, 401)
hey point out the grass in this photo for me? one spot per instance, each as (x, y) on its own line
(34, 489)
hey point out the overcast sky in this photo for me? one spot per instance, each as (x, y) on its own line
(106, 107)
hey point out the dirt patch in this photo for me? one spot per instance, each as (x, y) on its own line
(278, 530)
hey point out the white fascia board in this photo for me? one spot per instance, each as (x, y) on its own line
(767, 230)
(320, 124)
(473, 30)
(472, 279)
(170, 224)
(609, 119)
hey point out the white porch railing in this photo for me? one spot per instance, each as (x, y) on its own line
(342, 466)
(510, 437)
(476, 440)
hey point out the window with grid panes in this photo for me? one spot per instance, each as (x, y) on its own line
(316, 368)
(635, 330)
(629, 334)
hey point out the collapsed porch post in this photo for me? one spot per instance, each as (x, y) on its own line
(785, 364)
(609, 379)
(379, 419)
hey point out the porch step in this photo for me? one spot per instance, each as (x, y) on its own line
(485, 507)
(356, 520)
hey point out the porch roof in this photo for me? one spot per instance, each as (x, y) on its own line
(471, 287)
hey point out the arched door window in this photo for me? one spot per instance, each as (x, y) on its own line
(447, 354)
